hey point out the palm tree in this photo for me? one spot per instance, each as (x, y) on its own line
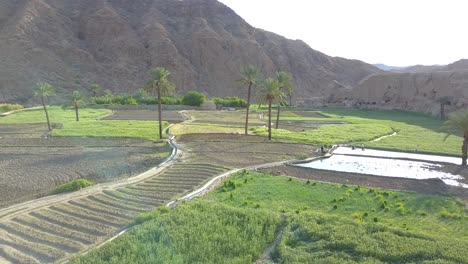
(457, 124)
(77, 101)
(162, 86)
(269, 93)
(285, 81)
(44, 91)
(250, 76)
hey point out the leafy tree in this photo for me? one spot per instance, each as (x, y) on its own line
(285, 81)
(44, 91)
(270, 92)
(77, 101)
(96, 90)
(249, 76)
(443, 101)
(160, 85)
(457, 124)
(193, 98)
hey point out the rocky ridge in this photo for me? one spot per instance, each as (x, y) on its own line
(75, 43)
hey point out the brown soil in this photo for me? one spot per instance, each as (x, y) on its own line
(22, 130)
(220, 137)
(30, 168)
(430, 186)
(237, 151)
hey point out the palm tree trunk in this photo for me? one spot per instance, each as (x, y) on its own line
(248, 108)
(159, 113)
(465, 149)
(46, 113)
(269, 119)
(278, 116)
(76, 113)
(442, 111)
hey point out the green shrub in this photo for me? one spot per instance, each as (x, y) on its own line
(193, 98)
(9, 107)
(230, 101)
(130, 101)
(74, 185)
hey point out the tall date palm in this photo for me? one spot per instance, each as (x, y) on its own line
(44, 91)
(250, 76)
(457, 124)
(270, 92)
(77, 101)
(285, 82)
(160, 85)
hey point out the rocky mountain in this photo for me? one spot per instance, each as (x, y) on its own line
(387, 67)
(75, 43)
(421, 91)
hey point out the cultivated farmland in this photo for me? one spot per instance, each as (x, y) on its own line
(56, 231)
(32, 167)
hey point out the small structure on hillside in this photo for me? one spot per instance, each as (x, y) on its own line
(209, 106)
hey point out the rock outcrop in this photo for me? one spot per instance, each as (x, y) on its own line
(75, 43)
(421, 92)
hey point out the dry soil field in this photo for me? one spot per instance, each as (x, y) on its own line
(31, 166)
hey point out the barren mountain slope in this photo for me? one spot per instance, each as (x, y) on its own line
(74, 43)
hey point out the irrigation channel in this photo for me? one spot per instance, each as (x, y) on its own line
(388, 164)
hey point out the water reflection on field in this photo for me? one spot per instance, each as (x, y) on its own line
(389, 167)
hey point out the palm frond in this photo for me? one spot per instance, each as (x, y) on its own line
(456, 124)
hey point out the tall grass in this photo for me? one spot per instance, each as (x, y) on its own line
(198, 232)
(324, 223)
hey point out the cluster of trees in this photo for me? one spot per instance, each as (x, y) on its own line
(45, 90)
(271, 90)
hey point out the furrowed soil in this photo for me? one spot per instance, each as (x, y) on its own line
(233, 150)
(31, 167)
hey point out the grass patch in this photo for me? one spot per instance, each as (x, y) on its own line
(324, 223)
(88, 126)
(331, 134)
(196, 232)
(72, 186)
(362, 126)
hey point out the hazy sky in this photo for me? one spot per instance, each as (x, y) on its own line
(393, 32)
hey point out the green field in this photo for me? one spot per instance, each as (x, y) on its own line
(88, 126)
(414, 130)
(322, 223)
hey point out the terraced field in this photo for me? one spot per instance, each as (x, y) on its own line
(60, 230)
